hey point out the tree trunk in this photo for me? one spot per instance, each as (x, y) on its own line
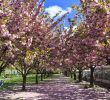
(108, 60)
(37, 77)
(0, 72)
(74, 75)
(91, 76)
(80, 75)
(41, 76)
(45, 73)
(24, 82)
(71, 74)
(66, 73)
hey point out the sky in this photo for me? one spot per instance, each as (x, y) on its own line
(55, 6)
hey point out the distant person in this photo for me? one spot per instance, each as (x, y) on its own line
(1, 83)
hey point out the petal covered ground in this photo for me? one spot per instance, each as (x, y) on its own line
(57, 89)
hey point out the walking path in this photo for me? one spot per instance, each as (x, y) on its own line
(57, 89)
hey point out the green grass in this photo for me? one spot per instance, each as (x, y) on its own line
(12, 80)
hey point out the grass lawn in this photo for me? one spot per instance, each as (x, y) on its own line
(12, 80)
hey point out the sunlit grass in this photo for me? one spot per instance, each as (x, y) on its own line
(12, 80)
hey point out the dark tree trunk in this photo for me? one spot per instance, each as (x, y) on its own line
(74, 75)
(24, 82)
(37, 81)
(80, 75)
(41, 76)
(1, 71)
(48, 74)
(45, 73)
(65, 73)
(91, 76)
(71, 74)
(108, 60)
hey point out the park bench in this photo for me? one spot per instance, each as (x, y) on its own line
(1, 83)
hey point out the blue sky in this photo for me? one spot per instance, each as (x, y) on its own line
(54, 6)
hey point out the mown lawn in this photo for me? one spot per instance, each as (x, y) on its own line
(12, 80)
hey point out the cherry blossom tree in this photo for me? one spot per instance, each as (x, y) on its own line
(91, 31)
(97, 18)
(24, 27)
(6, 55)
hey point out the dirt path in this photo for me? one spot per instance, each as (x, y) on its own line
(57, 89)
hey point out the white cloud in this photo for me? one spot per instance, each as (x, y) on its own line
(66, 27)
(53, 10)
(69, 9)
(74, 27)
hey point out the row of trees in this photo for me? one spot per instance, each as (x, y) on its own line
(88, 46)
(26, 35)
(30, 39)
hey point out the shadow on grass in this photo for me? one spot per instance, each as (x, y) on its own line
(11, 83)
(57, 89)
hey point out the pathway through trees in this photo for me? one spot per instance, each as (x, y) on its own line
(57, 89)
